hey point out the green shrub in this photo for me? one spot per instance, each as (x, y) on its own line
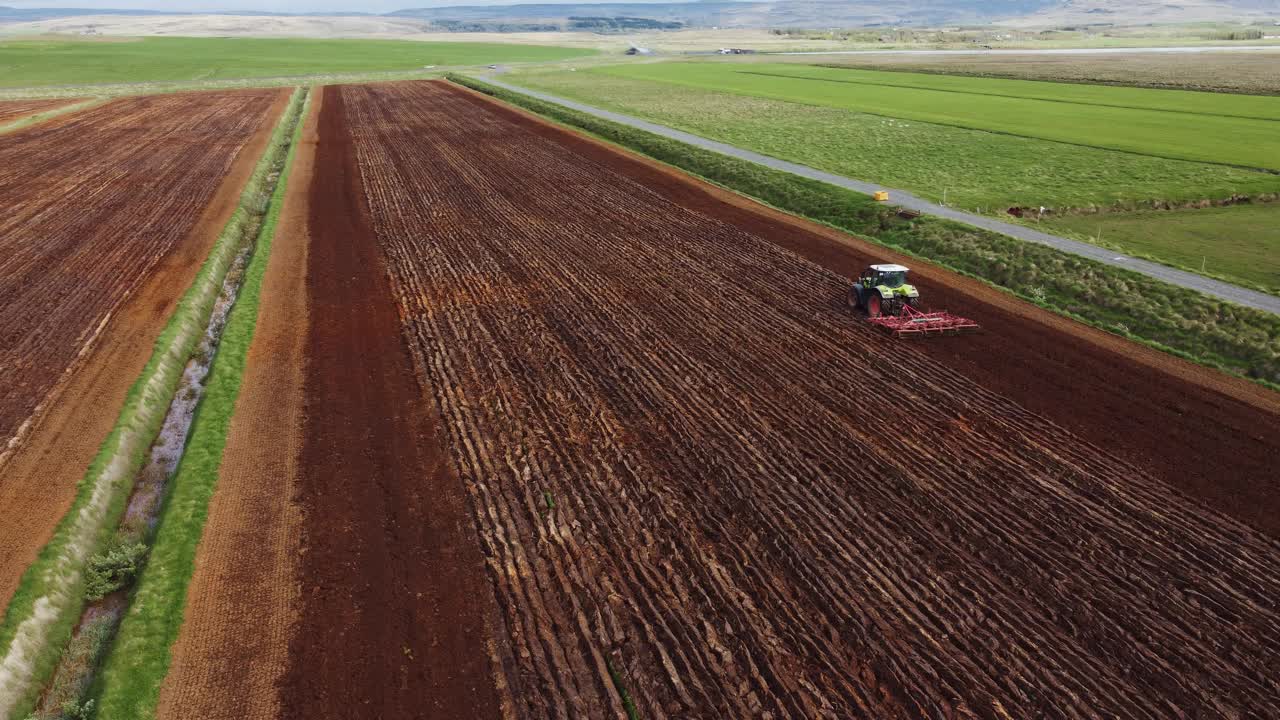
(75, 711)
(112, 569)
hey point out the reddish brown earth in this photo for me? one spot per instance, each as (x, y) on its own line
(17, 109)
(93, 203)
(393, 604)
(38, 475)
(1203, 433)
(694, 473)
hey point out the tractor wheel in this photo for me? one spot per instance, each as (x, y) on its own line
(913, 303)
(873, 305)
(855, 298)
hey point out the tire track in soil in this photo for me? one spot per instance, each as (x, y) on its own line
(686, 460)
(392, 622)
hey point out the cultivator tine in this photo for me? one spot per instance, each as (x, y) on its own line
(913, 322)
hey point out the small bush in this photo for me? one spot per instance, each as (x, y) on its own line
(112, 570)
(73, 710)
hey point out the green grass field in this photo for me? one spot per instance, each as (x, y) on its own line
(969, 169)
(31, 63)
(1206, 127)
(1238, 243)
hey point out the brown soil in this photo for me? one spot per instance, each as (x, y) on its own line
(94, 201)
(246, 566)
(13, 110)
(38, 478)
(1202, 432)
(392, 616)
(693, 470)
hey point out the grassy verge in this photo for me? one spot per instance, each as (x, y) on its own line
(1233, 338)
(129, 685)
(38, 623)
(1238, 243)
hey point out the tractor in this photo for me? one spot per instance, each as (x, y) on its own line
(893, 305)
(883, 290)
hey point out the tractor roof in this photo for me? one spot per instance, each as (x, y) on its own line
(889, 268)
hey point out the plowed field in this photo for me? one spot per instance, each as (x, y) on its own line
(694, 474)
(16, 109)
(92, 203)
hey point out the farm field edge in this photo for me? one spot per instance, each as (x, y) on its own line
(142, 653)
(84, 408)
(392, 576)
(54, 580)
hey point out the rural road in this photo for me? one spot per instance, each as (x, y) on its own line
(1208, 286)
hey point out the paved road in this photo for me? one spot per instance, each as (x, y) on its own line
(1226, 291)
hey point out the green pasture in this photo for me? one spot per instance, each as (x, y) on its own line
(1260, 107)
(30, 63)
(1239, 243)
(1206, 127)
(969, 169)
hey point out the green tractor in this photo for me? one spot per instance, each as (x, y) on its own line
(883, 290)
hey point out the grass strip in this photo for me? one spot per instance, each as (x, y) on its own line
(40, 117)
(129, 685)
(1235, 339)
(627, 703)
(49, 600)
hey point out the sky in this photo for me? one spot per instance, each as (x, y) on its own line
(293, 6)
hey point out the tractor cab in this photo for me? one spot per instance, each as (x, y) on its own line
(890, 276)
(883, 290)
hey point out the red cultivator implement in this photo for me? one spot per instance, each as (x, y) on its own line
(915, 322)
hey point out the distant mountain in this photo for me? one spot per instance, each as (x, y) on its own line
(8, 14)
(811, 14)
(782, 13)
